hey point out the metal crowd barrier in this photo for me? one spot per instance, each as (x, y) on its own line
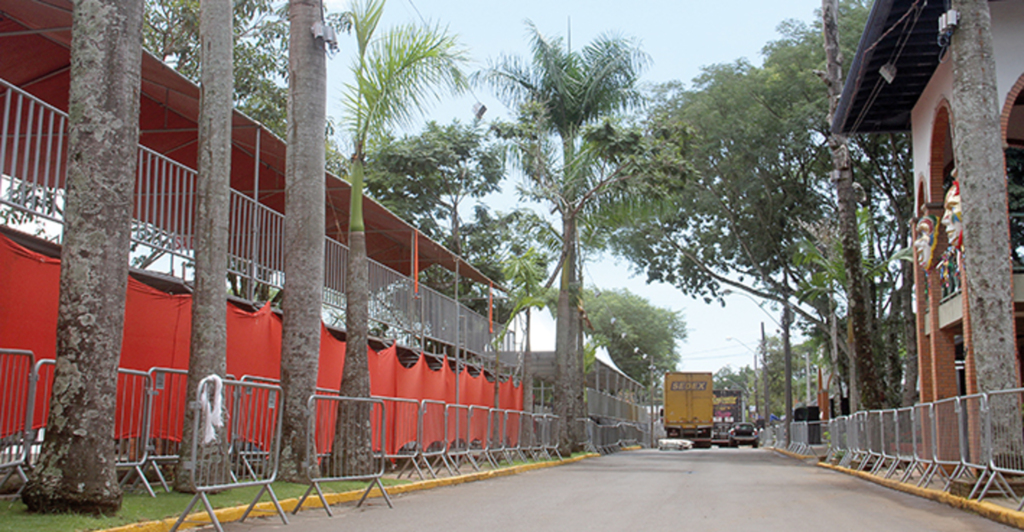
(433, 442)
(131, 424)
(329, 461)
(977, 439)
(402, 432)
(496, 447)
(512, 436)
(457, 430)
(479, 435)
(15, 413)
(167, 402)
(553, 428)
(131, 418)
(245, 448)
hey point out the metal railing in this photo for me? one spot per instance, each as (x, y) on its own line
(976, 440)
(33, 153)
(15, 412)
(328, 460)
(243, 446)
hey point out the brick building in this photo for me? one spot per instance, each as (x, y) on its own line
(901, 81)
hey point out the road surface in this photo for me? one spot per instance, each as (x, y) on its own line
(713, 489)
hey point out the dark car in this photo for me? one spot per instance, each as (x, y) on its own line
(743, 434)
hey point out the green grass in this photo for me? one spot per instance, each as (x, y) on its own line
(139, 506)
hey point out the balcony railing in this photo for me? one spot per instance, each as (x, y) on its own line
(33, 154)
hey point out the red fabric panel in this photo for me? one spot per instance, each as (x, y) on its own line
(254, 342)
(434, 384)
(29, 289)
(409, 381)
(382, 371)
(505, 398)
(157, 327)
(332, 360)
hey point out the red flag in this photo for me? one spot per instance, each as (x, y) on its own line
(416, 262)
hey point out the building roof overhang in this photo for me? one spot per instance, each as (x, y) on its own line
(900, 33)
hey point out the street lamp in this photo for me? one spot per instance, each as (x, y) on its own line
(757, 401)
(786, 349)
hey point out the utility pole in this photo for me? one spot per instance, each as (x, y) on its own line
(764, 377)
(787, 350)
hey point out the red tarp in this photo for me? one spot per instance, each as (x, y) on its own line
(157, 328)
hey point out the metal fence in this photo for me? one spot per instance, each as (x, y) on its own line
(329, 459)
(238, 440)
(976, 440)
(33, 153)
(15, 412)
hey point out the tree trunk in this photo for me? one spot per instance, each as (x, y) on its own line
(76, 470)
(980, 164)
(304, 232)
(528, 368)
(353, 432)
(568, 387)
(209, 297)
(856, 286)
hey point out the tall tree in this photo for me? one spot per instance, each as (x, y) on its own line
(977, 144)
(426, 178)
(76, 472)
(526, 273)
(208, 353)
(395, 74)
(572, 89)
(866, 387)
(260, 55)
(636, 333)
(304, 229)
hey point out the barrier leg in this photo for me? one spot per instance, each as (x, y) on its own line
(266, 488)
(323, 500)
(201, 496)
(384, 493)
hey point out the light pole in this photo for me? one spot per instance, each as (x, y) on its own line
(786, 347)
(757, 401)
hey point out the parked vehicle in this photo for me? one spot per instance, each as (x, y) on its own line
(743, 434)
(689, 407)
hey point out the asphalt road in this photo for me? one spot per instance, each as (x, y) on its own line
(715, 489)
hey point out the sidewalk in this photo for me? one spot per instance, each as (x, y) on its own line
(996, 508)
(225, 515)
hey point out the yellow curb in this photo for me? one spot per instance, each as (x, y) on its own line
(985, 509)
(225, 515)
(794, 455)
(632, 448)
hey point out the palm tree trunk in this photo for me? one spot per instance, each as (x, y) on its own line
(569, 367)
(209, 298)
(353, 432)
(304, 230)
(76, 472)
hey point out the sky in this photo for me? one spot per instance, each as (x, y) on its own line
(680, 36)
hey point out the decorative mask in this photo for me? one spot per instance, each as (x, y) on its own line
(927, 227)
(953, 217)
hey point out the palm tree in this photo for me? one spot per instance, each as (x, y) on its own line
(395, 75)
(526, 274)
(573, 89)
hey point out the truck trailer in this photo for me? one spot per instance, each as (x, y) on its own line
(689, 407)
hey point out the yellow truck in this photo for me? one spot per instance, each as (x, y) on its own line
(689, 407)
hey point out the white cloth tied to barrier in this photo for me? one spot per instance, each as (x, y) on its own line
(213, 414)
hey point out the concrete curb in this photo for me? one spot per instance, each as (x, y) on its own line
(987, 510)
(225, 515)
(803, 457)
